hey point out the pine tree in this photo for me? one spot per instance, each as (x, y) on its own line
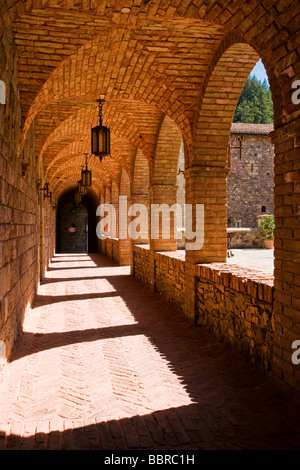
(255, 103)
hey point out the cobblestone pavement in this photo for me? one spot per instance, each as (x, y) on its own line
(104, 363)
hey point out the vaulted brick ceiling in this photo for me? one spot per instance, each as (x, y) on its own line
(149, 62)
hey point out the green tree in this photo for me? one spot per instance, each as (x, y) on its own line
(255, 103)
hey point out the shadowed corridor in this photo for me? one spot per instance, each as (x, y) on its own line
(104, 363)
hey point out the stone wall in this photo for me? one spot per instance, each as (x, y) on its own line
(141, 267)
(166, 273)
(170, 276)
(236, 304)
(110, 248)
(250, 183)
(244, 238)
(233, 302)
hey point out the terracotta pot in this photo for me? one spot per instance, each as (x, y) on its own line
(269, 243)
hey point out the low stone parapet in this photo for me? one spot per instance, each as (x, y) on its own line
(141, 263)
(235, 303)
(244, 238)
(110, 247)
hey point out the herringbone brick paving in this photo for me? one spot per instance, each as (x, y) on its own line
(104, 363)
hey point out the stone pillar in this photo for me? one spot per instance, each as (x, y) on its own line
(207, 186)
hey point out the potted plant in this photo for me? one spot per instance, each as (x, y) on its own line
(267, 226)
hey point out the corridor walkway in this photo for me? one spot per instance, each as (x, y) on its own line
(104, 363)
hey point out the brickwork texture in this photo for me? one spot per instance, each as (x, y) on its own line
(171, 73)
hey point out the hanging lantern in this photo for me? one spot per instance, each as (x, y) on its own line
(77, 198)
(86, 175)
(81, 189)
(100, 136)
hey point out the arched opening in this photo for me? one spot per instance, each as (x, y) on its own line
(125, 247)
(181, 200)
(141, 197)
(76, 225)
(207, 166)
(188, 61)
(2, 92)
(250, 182)
(163, 187)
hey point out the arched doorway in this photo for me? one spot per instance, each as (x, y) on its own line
(76, 225)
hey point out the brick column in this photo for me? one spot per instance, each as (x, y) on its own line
(41, 241)
(107, 200)
(162, 194)
(206, 185)
(125, 247)
(285, 320)
(139, 198)
(101, 243)
(142, 199)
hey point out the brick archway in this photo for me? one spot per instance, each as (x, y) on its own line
(59, 89)
(207, 166)
(140, 188)
(72, 138)
(226, 79)
(125, 246)
(76, 226)
(163, 186)
(160, 62)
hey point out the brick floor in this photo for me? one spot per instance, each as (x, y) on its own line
(104, 363)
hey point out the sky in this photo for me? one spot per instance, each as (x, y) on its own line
(259, 71)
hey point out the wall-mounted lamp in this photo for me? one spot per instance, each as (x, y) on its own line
(49, 195)
(46, 191)
(25, 168)
(240, 139)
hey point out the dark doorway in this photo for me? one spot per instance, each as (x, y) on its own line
(76, 225)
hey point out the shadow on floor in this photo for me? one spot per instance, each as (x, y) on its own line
(52, 299)
(52, 280)
(183, 428)
(235, 406)
(33, 343)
